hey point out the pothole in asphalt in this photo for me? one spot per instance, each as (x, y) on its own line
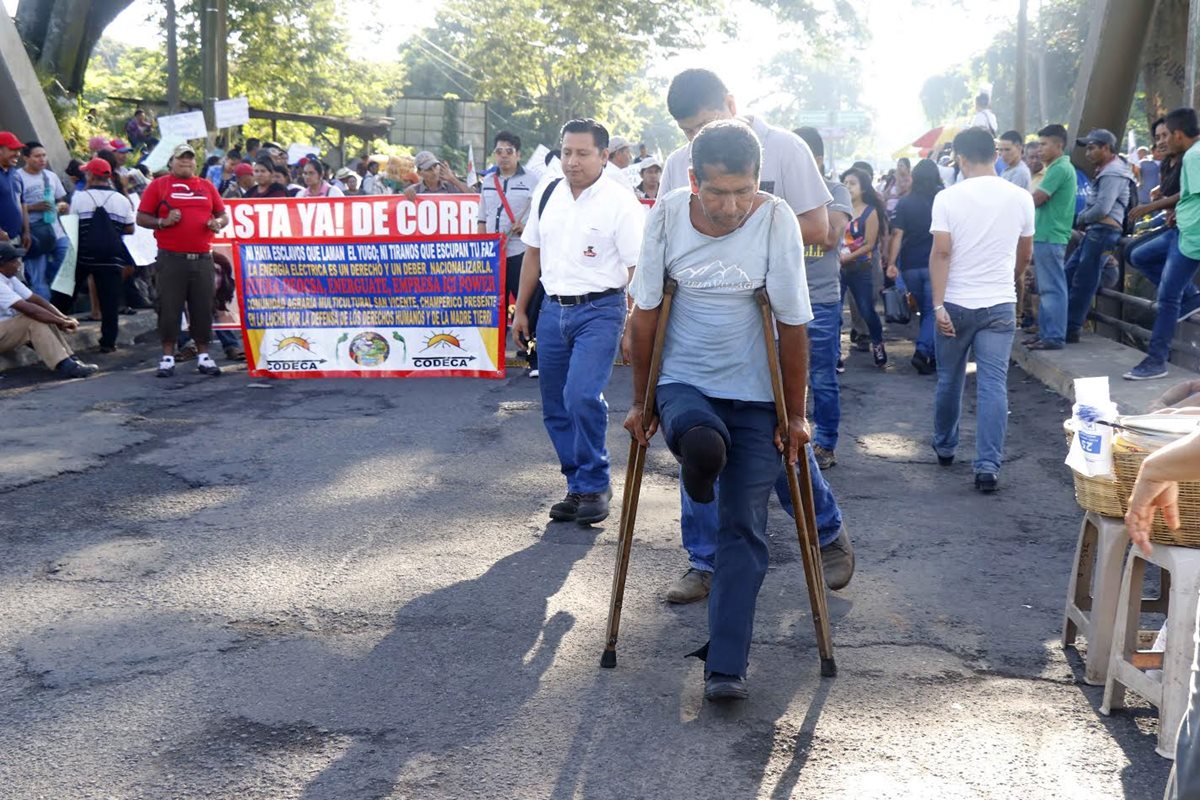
(109, 562)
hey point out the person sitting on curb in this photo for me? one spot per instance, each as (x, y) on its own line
(26, 318)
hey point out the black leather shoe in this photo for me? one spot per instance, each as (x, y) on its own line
(1072, 336)
(593, 507)
(987, 482)
(718, 686)
(566, 509)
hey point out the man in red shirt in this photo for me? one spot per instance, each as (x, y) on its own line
(185, 211)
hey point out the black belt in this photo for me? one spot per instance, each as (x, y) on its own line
(580, 299)
(188, 256)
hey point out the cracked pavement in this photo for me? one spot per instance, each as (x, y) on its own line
(240, 588)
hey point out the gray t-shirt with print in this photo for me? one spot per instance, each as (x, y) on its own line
(824, 267)
(714, 339)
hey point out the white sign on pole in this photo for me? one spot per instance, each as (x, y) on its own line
(190, 125)
(232, 112)
(157, 158)
(296, 152)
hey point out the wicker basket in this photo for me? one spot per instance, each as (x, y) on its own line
(1127, 460)
(1101, 495)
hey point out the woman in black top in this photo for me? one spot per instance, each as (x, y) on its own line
(264, 182)
(908, 252)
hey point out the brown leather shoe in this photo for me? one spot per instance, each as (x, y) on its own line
(693, 585)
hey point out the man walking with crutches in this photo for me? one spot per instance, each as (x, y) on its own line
(788, 171)
(720, 240)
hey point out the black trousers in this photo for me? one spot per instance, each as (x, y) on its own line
(110, 289)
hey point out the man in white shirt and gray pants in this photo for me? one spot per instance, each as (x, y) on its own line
(982, 239)
(582, 244)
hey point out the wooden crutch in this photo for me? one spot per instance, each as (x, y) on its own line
(633, 483)
(801, 492)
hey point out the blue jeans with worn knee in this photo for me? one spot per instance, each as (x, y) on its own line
(1050, 268)
(1085, 267)
(741, 553)
(576, 347)
(917, 281)
(1178, 274)
(824, 350)
(699, 522)
(989, 332)
(859, 279)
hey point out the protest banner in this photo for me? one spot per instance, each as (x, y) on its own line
(368, 287)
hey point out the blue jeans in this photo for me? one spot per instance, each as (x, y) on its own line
(576, 347)
(825, 348)
(1148, 255)
(989, 331)
(41, 270)
(699, 522)
(917, 282)
(1050, 268)
(858, 279)
(741, 552)
(1085, 266)
(1178, 274)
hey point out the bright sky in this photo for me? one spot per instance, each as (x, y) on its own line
(912, 40)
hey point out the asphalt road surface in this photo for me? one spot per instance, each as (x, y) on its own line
(253, 589)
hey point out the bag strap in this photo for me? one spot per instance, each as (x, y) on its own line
(512, 218)
(546, 196)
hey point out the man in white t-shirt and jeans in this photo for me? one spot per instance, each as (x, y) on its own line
(26, 318)
(982, 240)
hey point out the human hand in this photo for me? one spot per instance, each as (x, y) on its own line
(173, 216)
(892, 272)
(627, 344)
(518, 228)
(798, 435)
(26, 241)
(520, 329)
(1147, 497)
(68, 324)
(1137, 212)
(41, 206)
(635, 423)
(944, 325)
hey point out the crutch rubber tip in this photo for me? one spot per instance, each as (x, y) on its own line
(828, 668)
(609, 659)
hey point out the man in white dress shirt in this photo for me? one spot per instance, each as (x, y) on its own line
(582, 241)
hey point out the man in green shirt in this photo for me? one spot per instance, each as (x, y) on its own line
(1184, 257)
(1055, 213)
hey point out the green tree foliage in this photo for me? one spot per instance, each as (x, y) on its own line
(286, 55)
(945, 97)
(540, 62)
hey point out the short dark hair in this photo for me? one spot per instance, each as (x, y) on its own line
(29, 147)
(693, 91)
(982, 99)
(281, 169)
(234, 153)
(1154, 125)
(1054, 131)
(1184, 121)
(729, 143)
(252, 144)
(1013, 137)
(975, 145)
(599, 132)
(812, 138)
(507, 136)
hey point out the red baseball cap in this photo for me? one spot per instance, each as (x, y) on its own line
(9, 140)
(243, 169)
(118, 146)
(97, 166)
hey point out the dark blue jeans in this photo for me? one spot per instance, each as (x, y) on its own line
(824, 350)
(576, 347)
(1178, 274)
(858, 279)
(752, 466)
(917, 281)
(1083, 270)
